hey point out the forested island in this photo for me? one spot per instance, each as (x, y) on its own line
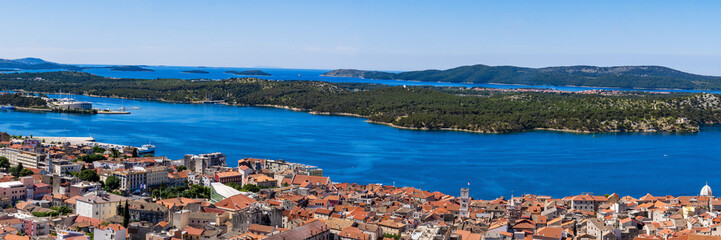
(643, 77)
(36, 102)
(21, 100)
(249, 73)
(130, 69)
(412, 107)
(34, 64)
(195, 71)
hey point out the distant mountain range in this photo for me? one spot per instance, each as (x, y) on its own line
(649, 77)
(8, 65)
(646, 77)
(33, 64)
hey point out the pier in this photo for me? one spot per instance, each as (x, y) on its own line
(112, 112)
(71, 140)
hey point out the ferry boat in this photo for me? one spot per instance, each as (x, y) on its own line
(147, 148)
(8, 107)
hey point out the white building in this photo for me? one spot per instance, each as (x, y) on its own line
(28, 159)
(706, 191)
(200, 179)
(98, 205)
(108, 165)
(157, 176)
(132, 179)
(583, 203)
(67, 168)
(67, 234)
(71, 104)
(245, 171)
(110, 232)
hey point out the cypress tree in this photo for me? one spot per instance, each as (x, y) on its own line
(126, 215)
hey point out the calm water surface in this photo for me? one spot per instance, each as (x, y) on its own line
(352, 150)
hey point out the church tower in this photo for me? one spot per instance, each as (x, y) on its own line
(513, 210)
(706, 191)
(464, 213)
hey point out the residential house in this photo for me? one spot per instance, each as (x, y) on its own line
(98, 205)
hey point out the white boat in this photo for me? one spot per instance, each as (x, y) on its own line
(147, 148)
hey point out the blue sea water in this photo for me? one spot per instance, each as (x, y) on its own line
(352, 150)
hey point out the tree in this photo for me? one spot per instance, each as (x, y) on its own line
(251, 188)
(4, 163)
(15, 171)
(119, 209)
(234, 185)
(26, 172)
(115, 153)
(89, 175)
(112, 183)
(394, 236)
(91, 158)
(197, 191)
(181, 168)
(156, 193)
(135, 152)
(126, 215)
(97, 149)
(65, 210)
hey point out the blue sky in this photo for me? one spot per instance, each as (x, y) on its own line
(379, 35)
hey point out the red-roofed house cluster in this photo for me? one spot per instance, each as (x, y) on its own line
(69, 195)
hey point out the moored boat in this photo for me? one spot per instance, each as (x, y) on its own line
(147, 148)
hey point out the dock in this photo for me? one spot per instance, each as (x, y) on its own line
(113, 112)
(33, 109)
(90, 141)
(71, 140)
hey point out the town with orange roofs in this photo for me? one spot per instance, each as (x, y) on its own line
(65, 188)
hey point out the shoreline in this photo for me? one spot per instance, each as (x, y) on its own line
(27, 109)
(531, 86)
(377, 122)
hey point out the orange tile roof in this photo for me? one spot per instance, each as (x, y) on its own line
(236, 202)
(16, 237)
(180, 201)
(93, 221)
(315, 180)
(260, 228)
(193, 231)
(115, 227)
(354, 233)
(228, 174)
